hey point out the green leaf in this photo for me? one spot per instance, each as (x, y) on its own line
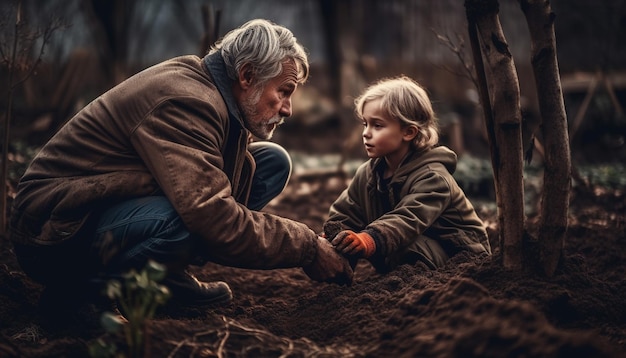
(111, 322)
(142, 280)
(162, 295)
(100, 348)
(156, 271)
(114, 289)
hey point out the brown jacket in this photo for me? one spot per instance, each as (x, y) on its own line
(172, 130)
(422, 198)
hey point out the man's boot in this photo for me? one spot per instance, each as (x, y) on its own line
(187, 290)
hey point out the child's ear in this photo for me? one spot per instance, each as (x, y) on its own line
(410, 132)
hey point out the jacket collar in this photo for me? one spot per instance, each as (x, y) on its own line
(217, 68)
(377, 167)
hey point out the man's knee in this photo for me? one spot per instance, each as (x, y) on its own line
(273, 162)
(273, 169)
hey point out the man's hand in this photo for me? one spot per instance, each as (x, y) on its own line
(329, 265)
(350, 243)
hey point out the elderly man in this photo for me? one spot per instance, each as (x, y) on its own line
(161, 167)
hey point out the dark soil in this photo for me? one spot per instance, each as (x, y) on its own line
(470, 308)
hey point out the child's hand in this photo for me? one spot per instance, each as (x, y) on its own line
(350, 243)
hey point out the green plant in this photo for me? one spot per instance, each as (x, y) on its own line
(138, 296)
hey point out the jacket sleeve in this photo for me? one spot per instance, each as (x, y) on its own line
(428, 197)
(180, 142)
(349, 207)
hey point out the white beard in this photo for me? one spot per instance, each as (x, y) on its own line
(260, 129)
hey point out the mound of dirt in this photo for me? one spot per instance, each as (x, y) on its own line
(470, 308)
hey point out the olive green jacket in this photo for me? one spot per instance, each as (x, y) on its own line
(423, 199)
(174, 130)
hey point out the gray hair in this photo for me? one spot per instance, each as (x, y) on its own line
(265, 46)
(404, 99)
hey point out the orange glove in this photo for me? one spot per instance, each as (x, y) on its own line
(350, 243)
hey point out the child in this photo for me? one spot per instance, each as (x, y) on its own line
(403, 205)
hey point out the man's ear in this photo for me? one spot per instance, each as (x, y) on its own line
(245, 76)
(410, 132)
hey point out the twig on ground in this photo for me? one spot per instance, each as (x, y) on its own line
(225, 334)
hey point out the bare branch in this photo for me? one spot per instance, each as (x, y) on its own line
(25, 38)
(45, 36)
(458, 48)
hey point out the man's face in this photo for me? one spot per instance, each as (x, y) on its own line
(265, 106)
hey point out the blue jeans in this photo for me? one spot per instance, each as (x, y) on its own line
(130, 233)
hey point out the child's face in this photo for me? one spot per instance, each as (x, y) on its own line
(383, 135)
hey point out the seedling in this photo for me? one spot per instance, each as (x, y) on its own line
(138, 296)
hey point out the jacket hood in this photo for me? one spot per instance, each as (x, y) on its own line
(413, 160)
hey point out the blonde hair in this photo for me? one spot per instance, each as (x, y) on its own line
(406, 100)
(265, 46)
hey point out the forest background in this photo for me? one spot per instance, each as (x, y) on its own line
(471, 306)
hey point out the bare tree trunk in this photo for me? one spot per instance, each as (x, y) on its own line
(111, 25)
(557, 177)
(15, 61)
(506, 156)
(211, 25)
(330, 11)
(6, 125)
(345, 73)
